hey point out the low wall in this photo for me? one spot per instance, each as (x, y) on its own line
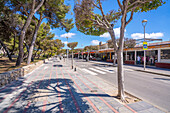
(162, 65)
(129, 62)
(109, 60)
(10, 76)
(7, 77)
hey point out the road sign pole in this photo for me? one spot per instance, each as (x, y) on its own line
(145, 46)
(144, 51)
(144, 59)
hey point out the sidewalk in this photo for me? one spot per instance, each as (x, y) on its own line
(55, 87)
(149, 69)
(97, 95)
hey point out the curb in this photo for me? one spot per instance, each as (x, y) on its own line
(152, 72)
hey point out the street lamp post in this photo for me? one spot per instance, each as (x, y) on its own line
(67, 49)
(144, 22)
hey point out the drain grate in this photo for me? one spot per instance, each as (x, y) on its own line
(94, 90)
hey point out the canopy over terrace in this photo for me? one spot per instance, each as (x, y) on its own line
(157, 54)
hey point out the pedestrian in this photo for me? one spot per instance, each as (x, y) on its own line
(151, 60)
(138, 60)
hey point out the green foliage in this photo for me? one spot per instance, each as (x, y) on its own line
(45, 41)
(86, 18)
(55, 12)
(151, 5)
(91, 47)
(72, 45)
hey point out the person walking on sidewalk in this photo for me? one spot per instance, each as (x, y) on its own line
(151, 60)
(138, 60)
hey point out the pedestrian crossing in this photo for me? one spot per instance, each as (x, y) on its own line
(96, 70)
(100, 70)
(109, 71)
(88, 71)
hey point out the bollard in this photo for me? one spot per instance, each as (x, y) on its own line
(72, 67)
(75, 69)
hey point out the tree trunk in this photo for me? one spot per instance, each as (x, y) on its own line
(119, 51)
(33, 41)
(115, 57)
(113, 38)
(7, 51)
(21, 39)
(12, 53)
(39, 55)
(120, 75)
(78, 55)
(36, 53)
(27, 47)
(87, 56)
(22, 35)
(72, 59)
(120, 60)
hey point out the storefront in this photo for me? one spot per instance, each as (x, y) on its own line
(158, 54)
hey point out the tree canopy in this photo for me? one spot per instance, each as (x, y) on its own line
(72, 45)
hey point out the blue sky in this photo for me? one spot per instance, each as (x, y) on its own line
(158, 26)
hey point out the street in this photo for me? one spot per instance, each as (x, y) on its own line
(152, 88)
(55, 87)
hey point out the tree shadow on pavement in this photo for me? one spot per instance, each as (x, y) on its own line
(41, 92)
(11, 87)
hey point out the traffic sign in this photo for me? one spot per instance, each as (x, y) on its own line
(145, 46)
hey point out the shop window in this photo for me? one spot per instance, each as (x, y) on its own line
(165, 54)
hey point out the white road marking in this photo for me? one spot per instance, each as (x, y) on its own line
(128, 70)
(45, 67)
(92, 73)
(109, 71)
(97, 71)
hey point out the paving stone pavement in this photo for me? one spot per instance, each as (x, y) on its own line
(54, 88)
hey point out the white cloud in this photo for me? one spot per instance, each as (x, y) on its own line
(105, 35)
(117, 33)
(95, 42)
(65, 42)
(69, 35)
(151, 35)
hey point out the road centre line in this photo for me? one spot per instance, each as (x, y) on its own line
(97, 70)
(104, 70)
(91, 103)
(88, 71)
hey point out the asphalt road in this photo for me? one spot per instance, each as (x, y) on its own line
(152, 88)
